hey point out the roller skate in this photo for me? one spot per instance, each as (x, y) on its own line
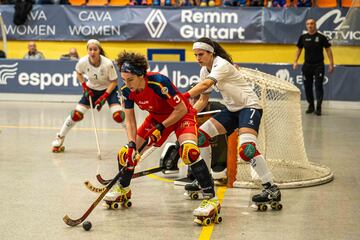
(118, 196)
(269, 196)
(193, 191)
(57, 144)
(208, 212)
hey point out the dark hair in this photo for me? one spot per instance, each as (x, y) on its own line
(218, 50)
(136, 60)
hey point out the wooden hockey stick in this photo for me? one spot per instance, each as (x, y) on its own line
(92, 188)
(75, 222)
(95, 130)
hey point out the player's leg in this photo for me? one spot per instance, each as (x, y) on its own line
(308, 74)
(249, 122)
(117, 112)
(319, 89)
(206, 131)
(75, 116)
(219, 147)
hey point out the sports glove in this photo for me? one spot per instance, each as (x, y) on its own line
(128, 156)
(86, 90)
(101, 101)
(154, 134)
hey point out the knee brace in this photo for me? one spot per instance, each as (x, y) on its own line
(248, 150)
(206, 131)
(117, 113)
(203, 138)
(189, 152)
(78, 113)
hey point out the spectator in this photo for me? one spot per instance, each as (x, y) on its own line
(304, 3)
(72, 55)
(2, 54)
(257, 3)
(33, 53)
(51, 1)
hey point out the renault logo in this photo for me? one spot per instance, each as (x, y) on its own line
(155, 23)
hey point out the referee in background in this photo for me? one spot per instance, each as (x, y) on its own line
(313, 67)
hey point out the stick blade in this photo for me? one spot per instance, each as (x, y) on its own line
(70, 222)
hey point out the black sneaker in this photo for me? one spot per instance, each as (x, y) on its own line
(318, 111)
(310, 109)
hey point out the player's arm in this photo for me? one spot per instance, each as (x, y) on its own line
(111, 86)
(130, 122)
(202, 102)
(297, 55)
(80, 77)
(331, 59)
(200, 88)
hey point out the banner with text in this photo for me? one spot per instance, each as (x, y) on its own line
(59, 77)
(251, 25)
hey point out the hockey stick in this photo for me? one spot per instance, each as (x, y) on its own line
(75, 222)
(92, 188)
(94, 126)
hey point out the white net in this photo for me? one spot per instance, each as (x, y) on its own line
(280, 136)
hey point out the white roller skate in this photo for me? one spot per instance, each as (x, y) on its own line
(118, 196)
(57, 144)
(219, 175)
(208, 212)
(269, 196)
(193, 191)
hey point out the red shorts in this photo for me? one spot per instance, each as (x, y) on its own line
(188, 124)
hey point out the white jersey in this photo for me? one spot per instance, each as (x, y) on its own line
(99, 77)
(237, 93)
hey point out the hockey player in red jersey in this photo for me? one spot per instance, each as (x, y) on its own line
(168, 112)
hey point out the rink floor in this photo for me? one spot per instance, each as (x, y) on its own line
(39, 187)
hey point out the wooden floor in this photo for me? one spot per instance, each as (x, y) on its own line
(38, 187)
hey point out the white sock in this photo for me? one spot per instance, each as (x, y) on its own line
(205, 153)
(68, 124)
(259, 165)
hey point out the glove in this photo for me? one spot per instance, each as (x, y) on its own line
(86, 90)
(154, 134)
(128, 156)
(101, 101)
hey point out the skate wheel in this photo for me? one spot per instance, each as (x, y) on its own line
(279, 206)
(127, 204)
(206, 221)
(115, 205)
(273, 205)
(262, 207)
(218, 219)
(194, 196)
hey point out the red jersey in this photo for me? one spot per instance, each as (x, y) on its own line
(159, 96)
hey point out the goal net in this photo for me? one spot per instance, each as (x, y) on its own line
(280, 137)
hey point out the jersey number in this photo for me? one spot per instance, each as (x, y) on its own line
(176, 99)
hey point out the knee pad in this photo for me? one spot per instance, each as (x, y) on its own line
(119, 116)
(78, 113)
(248, 150)
(206, 131)
(189, 152)
(203, 138)
(117, 113)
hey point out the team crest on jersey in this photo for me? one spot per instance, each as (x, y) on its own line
(185, 124)
(164, 90)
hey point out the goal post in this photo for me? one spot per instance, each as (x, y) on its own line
(3, 35)
(280, 138)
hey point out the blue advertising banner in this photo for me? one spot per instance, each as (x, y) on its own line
(251, 25)
(59, 77)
